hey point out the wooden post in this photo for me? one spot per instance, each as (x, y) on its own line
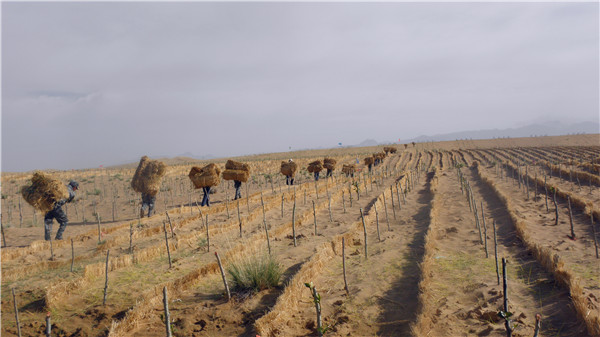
(167, 243)
(72, 255)
(392, 197)
(131, 237)
(51, 250)
(248, 196)
(282, 199)
(305, 196)
(227, 205)
(294, 222)
(538, 323)
(477, 223)
(16, 312)
(167, 315)
(377, 222)
(505, 311)
(48, 325)
(555, 209)
(496, 252)
(387, 219)
(484, 232)
(343, 201)
(223, 276)
(329, 199)
(99, 231)
(265, 222)
(573, 237)
(546, 189)
(239, 217)
(20, 213)
(3, 237)
(344, 266)
(170, 224)
(594, 233)
(207, 235)
(106, 279)
(314, 217)
(365, 232)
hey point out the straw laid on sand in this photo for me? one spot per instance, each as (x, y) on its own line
(44, 191)
(148, 175)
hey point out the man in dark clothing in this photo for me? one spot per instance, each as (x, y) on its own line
(289, 180)
(316, 175)
(58, 214)
(238, 194)
(205, 199)
(148, 201)
(329, 173)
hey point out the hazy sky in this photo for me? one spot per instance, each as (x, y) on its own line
(85, 84)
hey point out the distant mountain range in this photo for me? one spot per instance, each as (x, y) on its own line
(553, 128)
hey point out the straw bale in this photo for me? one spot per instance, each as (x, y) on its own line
(329, 163)
(44, 191)
(239, 175)
(206, 176)
(236, 165)
(369, 160)
(315, 166)
(148, 175)
(348, 169)
(288, 168)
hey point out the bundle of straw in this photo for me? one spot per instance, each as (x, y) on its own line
(238, 175)
(315, 166)
(329, 163)
(206, 176)
(236, 171)
(44, 191)
(148, 175)
(369, 161)
(236, 165)
(348, 169)
(288, 168)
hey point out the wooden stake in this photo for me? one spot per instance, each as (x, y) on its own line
(555, 209)
(239, 217)
(106, 279)
(594, 233)
(265, 222)
(131, 237)
(387, 219)
(573, 237)
(377, 222)
(16, 312)
(282, 199)
(343, 202)
(167, 315)
(4, 238)
(207, 235)
(294, 222)
(51, 250)
(227, 205)
(167, 243)
(170, 225)
(72, 255)
(223, 276)
(48, 325)
(496, 251)
(99, 231)
(507, 324)
(314, 217)
(538, 323)
(392, 197)
(484, 232)
(329, 199)
(344, 266)
(365, 232)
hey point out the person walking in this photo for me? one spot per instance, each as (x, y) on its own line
(289, 180)
(58, 214)
(238, 193)
(206, 198)
(148, 201)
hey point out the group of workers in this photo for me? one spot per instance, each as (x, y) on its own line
(148, 201)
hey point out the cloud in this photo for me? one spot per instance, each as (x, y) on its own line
(91, 83)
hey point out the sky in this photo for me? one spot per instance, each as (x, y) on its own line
(102, 83)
